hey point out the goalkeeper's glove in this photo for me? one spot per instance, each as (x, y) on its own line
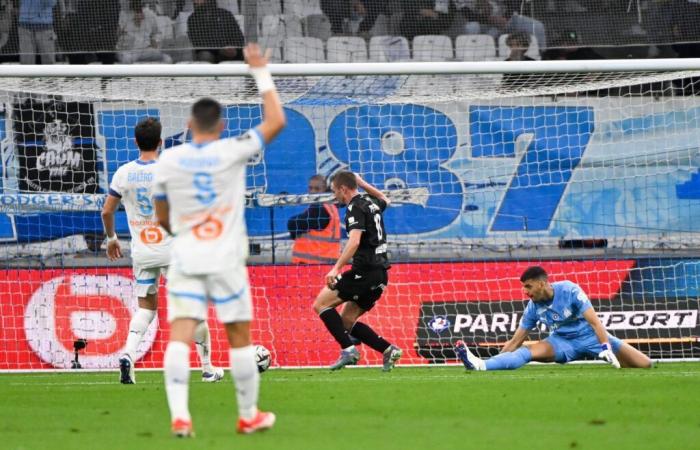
(607, 355)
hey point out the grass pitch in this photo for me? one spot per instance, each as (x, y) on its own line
(537, 407)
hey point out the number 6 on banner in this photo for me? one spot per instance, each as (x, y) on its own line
(151, 235)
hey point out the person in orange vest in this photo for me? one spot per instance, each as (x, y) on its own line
(316, 231)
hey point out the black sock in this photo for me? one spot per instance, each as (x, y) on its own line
(334, 323)
(366, 335)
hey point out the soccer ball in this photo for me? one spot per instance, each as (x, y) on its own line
(263, 358)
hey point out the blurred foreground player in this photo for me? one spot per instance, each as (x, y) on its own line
(200, 196)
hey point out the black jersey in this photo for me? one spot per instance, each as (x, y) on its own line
(364, 212)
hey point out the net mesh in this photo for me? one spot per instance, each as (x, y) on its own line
(84, 31)
(592, 175)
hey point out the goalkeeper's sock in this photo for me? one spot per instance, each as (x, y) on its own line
(137, 327)
(246, 379)
(509, 360)
(176, 364)
(202, 340)
(368, 336)
(334, 324)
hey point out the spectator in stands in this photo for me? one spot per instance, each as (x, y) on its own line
(338, 13)
(90, 32)
(568, 47)
(518, 44)
(7, 16)
(495, 17)
(214, 33)
(369, 10)
(686, 35)
(35, 30)
(139, 36)
(427, 17)
(316, 231)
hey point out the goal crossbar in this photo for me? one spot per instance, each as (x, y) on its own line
(321, 69)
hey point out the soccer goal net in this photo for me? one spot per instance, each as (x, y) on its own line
(590, 171)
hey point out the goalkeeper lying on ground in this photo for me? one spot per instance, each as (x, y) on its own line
(576, 330)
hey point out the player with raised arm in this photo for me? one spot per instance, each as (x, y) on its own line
(360, 287)
(576, 330)
(150, 247)
(200, 196)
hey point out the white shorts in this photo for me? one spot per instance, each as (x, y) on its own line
(189, 295)
(147, 279)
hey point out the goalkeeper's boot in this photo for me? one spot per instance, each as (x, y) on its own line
(390, 356)
(182, 428)
(213, 375)
(126, 370)
(470, 361)
(348, 357)
(261, 422)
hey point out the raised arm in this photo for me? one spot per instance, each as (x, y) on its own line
(371, 190)
(273, 113)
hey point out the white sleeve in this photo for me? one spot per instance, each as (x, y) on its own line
(116, 187)
(246, 146)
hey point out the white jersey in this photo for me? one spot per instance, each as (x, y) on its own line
(204, 185)
(133, 184)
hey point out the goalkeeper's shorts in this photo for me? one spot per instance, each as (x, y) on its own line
(579, 347)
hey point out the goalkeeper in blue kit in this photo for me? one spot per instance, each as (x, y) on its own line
(576, 330)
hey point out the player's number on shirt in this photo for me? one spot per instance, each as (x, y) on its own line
(144, 201)
(204, 185)
(378, 223)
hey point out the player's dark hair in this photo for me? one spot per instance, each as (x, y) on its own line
(533, 273)
(206, 113)
(345, 178)
(147, 134)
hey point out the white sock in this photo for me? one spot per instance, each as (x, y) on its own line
(177, 378)
(246, 379)
(202, 339)
(137, 327)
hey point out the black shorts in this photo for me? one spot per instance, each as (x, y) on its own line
(363, 288)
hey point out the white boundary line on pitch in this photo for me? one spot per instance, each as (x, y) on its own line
(416, 366)
(459, 377)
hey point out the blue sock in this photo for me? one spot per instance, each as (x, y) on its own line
(510, 360)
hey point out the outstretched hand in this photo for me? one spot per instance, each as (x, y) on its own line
(254, 55)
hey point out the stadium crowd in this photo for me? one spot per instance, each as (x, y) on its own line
(181, 31)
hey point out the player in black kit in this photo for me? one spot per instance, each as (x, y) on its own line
(361, 286)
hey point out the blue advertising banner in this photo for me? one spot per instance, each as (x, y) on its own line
(531, 169)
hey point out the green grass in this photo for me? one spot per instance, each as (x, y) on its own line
(537, 407)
